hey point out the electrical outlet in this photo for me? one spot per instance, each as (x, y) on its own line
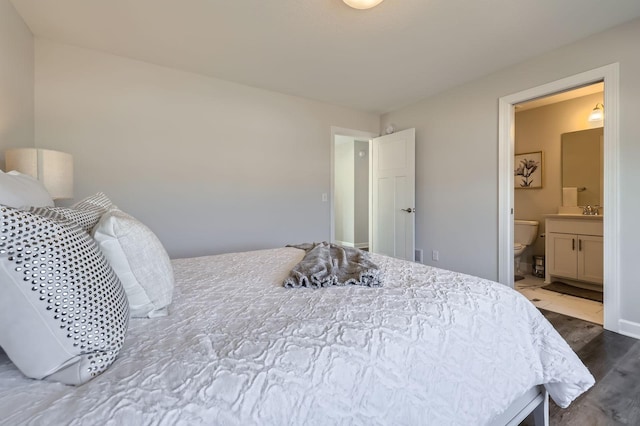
(324, 197)
(435, 255)
(419, 256)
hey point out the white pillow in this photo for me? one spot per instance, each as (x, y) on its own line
(19, 190)
(63, 311)
(140, 261)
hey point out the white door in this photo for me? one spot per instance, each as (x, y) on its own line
(393, 175)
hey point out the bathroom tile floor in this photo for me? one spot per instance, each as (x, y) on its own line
(576, 307)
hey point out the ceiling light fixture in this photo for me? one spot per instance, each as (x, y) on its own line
(362, 4)
(598, 113)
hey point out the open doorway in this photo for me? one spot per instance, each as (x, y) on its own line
(351, 191)
(559, 175)
(388, 161)
(350, 149)
(611, 247)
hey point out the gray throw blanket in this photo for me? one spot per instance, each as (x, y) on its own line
(327, 264)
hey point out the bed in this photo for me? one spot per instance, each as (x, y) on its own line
(429, 347)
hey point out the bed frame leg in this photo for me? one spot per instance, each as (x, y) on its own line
(541, 412)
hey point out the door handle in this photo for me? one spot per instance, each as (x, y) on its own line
(409, 210)
(573, 244)
(579, 244)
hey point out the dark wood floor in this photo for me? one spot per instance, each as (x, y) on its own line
(614, 361)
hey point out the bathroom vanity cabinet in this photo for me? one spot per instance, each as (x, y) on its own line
(574, 248)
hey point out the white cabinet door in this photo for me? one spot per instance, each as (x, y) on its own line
(562, 261)
(579, 257)
(590, 259)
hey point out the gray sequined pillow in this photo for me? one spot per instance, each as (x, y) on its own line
(63, 311)
(85, 213)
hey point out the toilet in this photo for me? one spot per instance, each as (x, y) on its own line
(525, 233)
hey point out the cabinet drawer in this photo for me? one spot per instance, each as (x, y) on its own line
(574, 226)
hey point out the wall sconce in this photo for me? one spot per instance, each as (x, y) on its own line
(598, 113)
(362, 4)
(53, 168)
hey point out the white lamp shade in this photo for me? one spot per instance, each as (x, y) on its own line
(362, 4)
(597, 114)
(53, 168)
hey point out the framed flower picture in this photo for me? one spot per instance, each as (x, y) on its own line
(528, 172)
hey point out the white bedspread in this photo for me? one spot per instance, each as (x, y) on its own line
(430, 347)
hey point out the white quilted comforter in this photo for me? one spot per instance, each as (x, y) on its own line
(430, 347)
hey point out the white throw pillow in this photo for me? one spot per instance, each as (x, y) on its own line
(63, 311)
(140, 261)
(19, 190)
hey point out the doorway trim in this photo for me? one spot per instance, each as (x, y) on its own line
(355, 134)
(610, 74)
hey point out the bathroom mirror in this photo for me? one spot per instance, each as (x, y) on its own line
(583, 167)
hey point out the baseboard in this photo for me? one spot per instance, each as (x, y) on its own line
(344, 243)
(629, 328)
(357, 245)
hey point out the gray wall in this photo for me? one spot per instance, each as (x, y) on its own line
(210, 166)
(214, 166)
(16, 81)
(457, 156)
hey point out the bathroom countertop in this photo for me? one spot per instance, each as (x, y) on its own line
(573, 216)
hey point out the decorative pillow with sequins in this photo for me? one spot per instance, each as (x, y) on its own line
(85, 213)
(63, 311)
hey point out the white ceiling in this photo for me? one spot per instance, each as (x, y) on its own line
(374, 60)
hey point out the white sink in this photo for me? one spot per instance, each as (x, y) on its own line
(574, 211)
(569, 210)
